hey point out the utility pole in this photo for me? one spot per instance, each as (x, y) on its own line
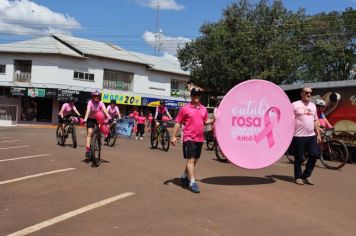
(157, 47)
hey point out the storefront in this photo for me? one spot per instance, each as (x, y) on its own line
(127, 103)
(36, 103)
(172, 105)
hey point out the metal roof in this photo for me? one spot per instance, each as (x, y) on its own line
(83, 48)
(100, 49)
(328, 84)
(47, 45)
(162, 64)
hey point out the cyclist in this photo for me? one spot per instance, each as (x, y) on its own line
(320, 108)
(113, 110)
(94, 106)
(67, 110)
(161, 111)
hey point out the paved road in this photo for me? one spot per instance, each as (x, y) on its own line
(137, 191)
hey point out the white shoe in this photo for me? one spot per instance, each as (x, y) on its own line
(141, 138)
(136, 137)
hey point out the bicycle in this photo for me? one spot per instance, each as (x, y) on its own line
(95, 147)
(160, 134)
(111, 138)
(210, 140)
(219, 154)
(334, 153)
(62, 133)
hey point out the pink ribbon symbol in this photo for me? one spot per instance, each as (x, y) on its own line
(272, 117)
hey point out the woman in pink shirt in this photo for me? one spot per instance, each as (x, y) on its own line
(194, 117)
(94, 106)
(113, 110)
(140, 120)
(67, 110)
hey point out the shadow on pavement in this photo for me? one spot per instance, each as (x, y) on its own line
(281, 177)
(238, 180)
(175, 181)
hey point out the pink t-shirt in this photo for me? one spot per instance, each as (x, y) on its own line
(94, 107)
(193, 118)
(113, 111)
(305, 116)
(67, 109)
(140, 119)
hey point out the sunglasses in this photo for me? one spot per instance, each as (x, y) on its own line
(305, 92)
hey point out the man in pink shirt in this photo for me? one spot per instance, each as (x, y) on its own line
(193, 116)
(306, 136)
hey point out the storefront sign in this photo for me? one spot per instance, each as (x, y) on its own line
(16, 91)
(254, 124)
(154, 102)
(51, 93)
(121, 99)
(36, 92)
(64, 94)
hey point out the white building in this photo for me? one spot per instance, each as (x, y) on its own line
(38, 74)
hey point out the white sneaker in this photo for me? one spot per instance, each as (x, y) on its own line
(141, 138)
(136, 137)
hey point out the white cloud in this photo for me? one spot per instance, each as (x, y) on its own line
(170, 58)
(163, 4)
(23, 17)
(164, 43)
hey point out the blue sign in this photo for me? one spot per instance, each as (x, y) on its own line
(154, 102)
(124, 127)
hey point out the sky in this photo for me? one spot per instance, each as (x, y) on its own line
(130, 24)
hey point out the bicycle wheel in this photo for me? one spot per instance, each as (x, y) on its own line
(59, 135)
(210, 141)
(112, 137)
(165, 140)
(74, 135)
(96, 149)
(335, 155)
(154, 138)
(219, 155)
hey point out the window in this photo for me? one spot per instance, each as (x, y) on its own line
(83, 76)
(2, 69)
(118, 80)
(174, 85)
(22, 70)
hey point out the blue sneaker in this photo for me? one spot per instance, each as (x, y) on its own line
(194, 188)
(185, 181)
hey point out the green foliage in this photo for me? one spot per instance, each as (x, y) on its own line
(266, 41)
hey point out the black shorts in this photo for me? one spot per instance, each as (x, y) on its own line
(91, 123)
(192, 149)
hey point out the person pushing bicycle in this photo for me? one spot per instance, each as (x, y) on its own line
(113, 110)
(94, 106)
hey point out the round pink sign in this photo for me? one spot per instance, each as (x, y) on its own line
(254, 124)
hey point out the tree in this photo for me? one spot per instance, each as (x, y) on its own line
(269, 42)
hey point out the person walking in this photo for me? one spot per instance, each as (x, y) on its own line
(140, 120)
(306, 136)
(193, 116)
